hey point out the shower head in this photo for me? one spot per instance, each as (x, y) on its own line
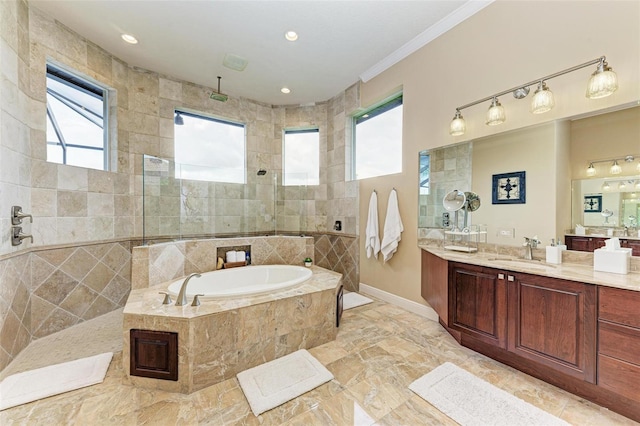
(217, 96)
(262, 172)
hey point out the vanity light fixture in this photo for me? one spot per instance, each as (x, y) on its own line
(637, 185)
(457, 126)
(615, 168)
(605, 186)
(603, 83)
(622, 185)
(495, 115)
(591, 171)
(542, 99)
(285, 90)
(178, 120)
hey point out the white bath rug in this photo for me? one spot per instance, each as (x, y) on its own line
(353, 300)
(470, 400)
(276, 382)
(52, 380)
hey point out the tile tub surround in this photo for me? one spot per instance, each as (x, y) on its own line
(218, 339)
(339, 253)
(48, 290)
(159, 263)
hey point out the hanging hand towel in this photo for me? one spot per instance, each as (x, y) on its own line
(372, 239)
(392, 228)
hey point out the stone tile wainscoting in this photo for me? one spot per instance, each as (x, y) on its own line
(46, 291)
(339, 253)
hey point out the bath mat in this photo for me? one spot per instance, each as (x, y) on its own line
(470, 400)
(353, 300)
(276, 382)
(52, 380)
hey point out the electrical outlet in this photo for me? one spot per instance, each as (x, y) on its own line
(506, 232)
(445, 219)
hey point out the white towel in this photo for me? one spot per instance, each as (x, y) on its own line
(372, 238)
(392, 228)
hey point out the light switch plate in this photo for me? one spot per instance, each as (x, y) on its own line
(506, 232)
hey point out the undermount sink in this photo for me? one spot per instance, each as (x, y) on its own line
(529, 264)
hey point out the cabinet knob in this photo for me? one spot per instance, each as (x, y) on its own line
(501, 276)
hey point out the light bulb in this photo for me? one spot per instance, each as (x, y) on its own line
(615, 168)
(495, 115)
(622, 185)
(542, 100)
(457, 126)
(603, 82)
(591, 171)
(605, 186)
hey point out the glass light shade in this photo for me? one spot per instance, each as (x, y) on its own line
(602, 83)
(637, 184)
(638, 166)
(495, 115)
(542, 100)
(615, 168)
(605, 186)
(457, 126)
(622, 185)
(591, 171)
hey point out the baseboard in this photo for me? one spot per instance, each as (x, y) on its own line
(409, 305)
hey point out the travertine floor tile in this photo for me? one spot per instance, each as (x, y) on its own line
(379, 351)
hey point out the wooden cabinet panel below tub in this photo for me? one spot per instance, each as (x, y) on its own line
(154, 354)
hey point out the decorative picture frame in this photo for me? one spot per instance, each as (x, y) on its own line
(592, 203)
(509, 188)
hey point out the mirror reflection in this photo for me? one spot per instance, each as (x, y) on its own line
(568, 166)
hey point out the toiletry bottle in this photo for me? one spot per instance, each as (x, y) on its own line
(248, 258)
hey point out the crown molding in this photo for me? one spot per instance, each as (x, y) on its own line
(465, 11)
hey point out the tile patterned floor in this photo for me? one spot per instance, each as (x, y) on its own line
(380, 349)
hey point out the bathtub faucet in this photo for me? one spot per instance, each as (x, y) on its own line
(182, 295)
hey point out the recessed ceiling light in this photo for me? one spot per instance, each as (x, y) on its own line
(291, 35)
(129, 39)
(285, 90)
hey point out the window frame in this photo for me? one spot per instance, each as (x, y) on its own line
(76, 81)
(389, 103)
(298, 130)
(220, 120)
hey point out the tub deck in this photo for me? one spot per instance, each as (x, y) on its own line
(220, 338)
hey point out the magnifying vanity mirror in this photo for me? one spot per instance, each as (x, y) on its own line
(560, 192)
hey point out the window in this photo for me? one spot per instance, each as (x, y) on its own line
(425, 172)
(76, 111)
(209, 149)
(301, 154)
(378, 140)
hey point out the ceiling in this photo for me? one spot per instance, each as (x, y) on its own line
(339, 41)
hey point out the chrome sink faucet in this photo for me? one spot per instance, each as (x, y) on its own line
(530, 243)
(182, 295)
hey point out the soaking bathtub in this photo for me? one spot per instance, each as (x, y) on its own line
(243, 281)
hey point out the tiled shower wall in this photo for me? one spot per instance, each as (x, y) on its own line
(450, 169)
(46, 291)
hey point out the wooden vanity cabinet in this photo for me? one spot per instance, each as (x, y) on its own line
(478, 303)
(583, 243)
(434, 284)
(634, 245)
(619, 341)
(553, 322)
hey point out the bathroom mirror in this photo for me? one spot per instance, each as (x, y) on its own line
(555, 156)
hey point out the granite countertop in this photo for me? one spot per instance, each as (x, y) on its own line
(567, 271)
(147, 301)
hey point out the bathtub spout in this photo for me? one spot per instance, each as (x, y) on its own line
(182, 295)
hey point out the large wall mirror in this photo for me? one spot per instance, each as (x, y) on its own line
(560, 190)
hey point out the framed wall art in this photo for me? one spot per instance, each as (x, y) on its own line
(592, 203)
(509, 188)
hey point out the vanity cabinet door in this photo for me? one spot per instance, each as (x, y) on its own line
(553, 322)
(634, 245)
(477, 303)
